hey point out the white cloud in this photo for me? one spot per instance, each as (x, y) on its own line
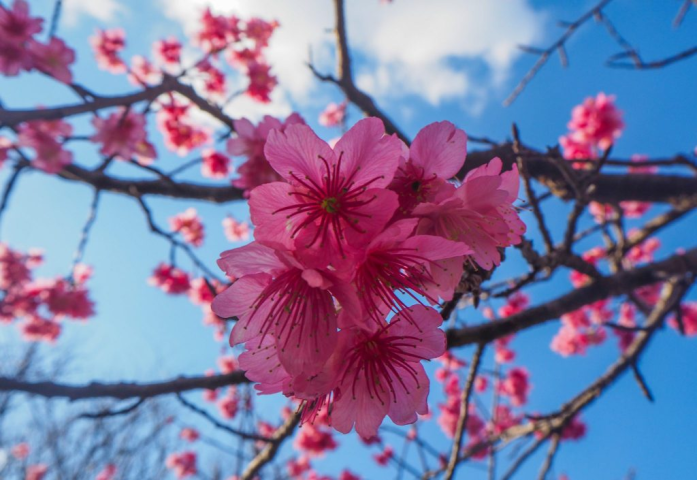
(438, 50)
(104, 10)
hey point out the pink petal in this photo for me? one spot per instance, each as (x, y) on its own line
(250, 259)
(273, 228)
(410, 400)
(366, 148)
(440, 149)
(297, 151)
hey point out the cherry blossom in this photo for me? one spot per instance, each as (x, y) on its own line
(597, 120)
(183, 464)
(235, 231)
(53, 58)
(122, 134)
(333, 115)
(107, 45)
(189, 224)
(215, 164)
(170, 279)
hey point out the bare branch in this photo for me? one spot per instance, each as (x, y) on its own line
(269, 451)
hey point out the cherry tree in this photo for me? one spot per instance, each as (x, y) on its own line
(378, 290)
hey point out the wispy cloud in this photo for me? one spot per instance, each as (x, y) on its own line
(104, 10)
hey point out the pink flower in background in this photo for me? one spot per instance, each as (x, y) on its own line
(516, 386)
(122, 134)
(38, 329)
(261, 81)
(260, 31)
(213, 79)
(143, 72)
(170, 279)
(384, 457)
(107, 45)
(62, 298)
(53, 59)
(688, 311)
(597, 120)
(14, 58)
(189, 224)
(235, 231)
(181, 136)
(20, 451)
(107, 473)
(16, 25)
(46, 138)
(189, 434)
(216, 32)
(576, 148)
(215, 164)
(36, 472)
(227, 364)
(168, 51)
(5, 146)
(334, 115)
(182, 464)
(228, 406)
(574, 430)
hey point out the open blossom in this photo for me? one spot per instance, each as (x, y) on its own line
(228, 406)
(189, 224)
(384, 457)
(189, 434)
(277, 297)
(168, 51)
(143, 72)
(183, 464)
(53, 58)
(479, 213)
(46, 139)
(235, 231)
(260, 31)
(122, 134)
(38, 329)
(261, 82)
(688, 317)
(597, 120)
(16, 25)
(170, 279)
(107, 45)
(217, 31)
(378, 371)
(215, 164)
(516, 386)
(334, 197)
(181, 135)
(333, 115)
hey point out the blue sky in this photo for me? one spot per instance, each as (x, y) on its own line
(141, 334)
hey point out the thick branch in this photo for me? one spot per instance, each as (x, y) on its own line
(605, 287)
(269, 452)
(122, 391)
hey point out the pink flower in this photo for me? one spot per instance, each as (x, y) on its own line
(384, 457)
(334, 115)
(228, 406)
(217, 32)
(479, 213)
(227, 364)
(296, 468)
(213, 79)
(516, 386)
(333, 198)
(53, 58)
(576, 148)
(36, 472)
(122, 134)
(597, 120)
(37, 329)
(189, 224)
(170, 279)
(437, 153)
(314, 440)
(183, 464)
(64, 299)
(278, 297)
(14, 58)
(46, 138)
(347, 475)
(515, 303)
(627, 318)
(16, 26)
(379, 371)
(260, 31)
(168, 51)
(180, 135)
(202, 291)
(20, 451)
(108, 473)
(143, 72)
(235, 231)
(688, 312)
(215, 164)
(574, 430)
(189, 434)
(396, 263)
(261, 82)
(107, 44)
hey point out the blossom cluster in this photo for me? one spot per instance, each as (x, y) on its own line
(349, 236)
(20, 51)
(241, 43)
(593, 128)
(42, 303)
